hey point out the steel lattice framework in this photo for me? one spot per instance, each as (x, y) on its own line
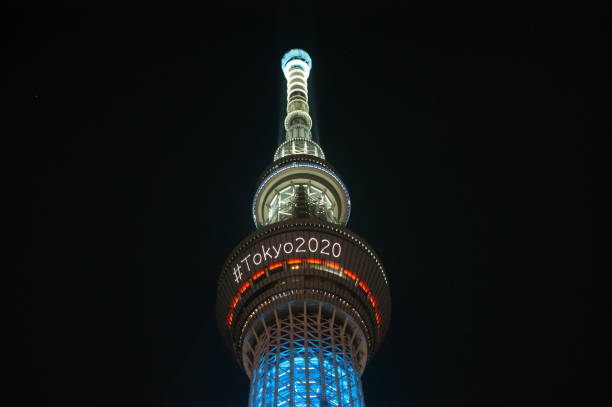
(303, 302)
(306, 359)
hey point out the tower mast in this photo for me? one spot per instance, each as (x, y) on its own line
(296, 65)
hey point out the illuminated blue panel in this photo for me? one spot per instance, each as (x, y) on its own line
(296, 54)
(297, 375)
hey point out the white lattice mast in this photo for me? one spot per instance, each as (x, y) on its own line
(296, 65)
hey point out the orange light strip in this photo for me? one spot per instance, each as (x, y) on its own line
(364, 287)
(234, 302)
(350, 274)
(373, 301)
(275, 265)
(258, 274)
(244, 287)
(311, 260)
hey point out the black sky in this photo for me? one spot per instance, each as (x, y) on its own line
(465, 139)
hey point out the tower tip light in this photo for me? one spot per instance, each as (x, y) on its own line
(296, 58)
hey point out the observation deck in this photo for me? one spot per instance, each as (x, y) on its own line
(308, 259)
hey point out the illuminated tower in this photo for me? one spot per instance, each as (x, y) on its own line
(303, 302)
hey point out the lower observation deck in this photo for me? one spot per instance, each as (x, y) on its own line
(302, 263)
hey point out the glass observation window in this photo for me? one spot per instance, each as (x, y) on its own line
(298, 146)
(283, 203)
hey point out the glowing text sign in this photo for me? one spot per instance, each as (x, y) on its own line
(299, 245)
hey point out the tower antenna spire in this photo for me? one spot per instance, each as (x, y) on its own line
(296, 65)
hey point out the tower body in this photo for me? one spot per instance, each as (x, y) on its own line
(303, 302)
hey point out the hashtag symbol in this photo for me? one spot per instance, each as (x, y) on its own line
(237, 273)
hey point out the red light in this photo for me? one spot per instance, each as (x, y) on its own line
(332, 265)
(294, 261)
(378, 318)
(258, 274)
(373, 301)
(229, 320)
(275, 265)
(350, 274)
(244, 287)
(234, 302)
(312, 260)
(364, 287)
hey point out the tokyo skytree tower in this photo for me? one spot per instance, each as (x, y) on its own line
(302, 302)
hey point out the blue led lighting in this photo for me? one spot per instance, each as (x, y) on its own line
(313, 377)
(296, 54)
(301, 164)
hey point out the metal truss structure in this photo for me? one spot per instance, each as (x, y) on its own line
(307, 358)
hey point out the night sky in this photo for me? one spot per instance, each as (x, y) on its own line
(465, 139)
